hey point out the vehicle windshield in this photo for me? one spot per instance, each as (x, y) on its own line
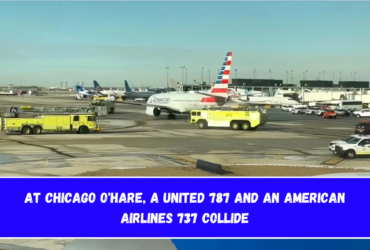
(354, 141)
(349, 139)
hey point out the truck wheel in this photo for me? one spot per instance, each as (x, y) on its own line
(26, 130)
(235, 125)
(245, 126)
(358, 116)
(334, 117)
(255, 128)
(202, 124)
(84, 130)
(350, 154)
(37, 130)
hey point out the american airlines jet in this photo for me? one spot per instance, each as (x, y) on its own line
(183, 103)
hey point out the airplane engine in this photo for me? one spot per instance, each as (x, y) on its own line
(153, 111)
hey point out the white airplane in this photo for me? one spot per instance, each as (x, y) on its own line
(81, 92)
(281, 97)
(116, 93)
(184, 103)
(7, 93)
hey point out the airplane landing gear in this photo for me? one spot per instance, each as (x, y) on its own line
(171, 116)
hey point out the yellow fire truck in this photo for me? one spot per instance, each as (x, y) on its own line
(79, 123)
(235, 118)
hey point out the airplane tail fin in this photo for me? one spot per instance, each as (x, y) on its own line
(127, 87)
(78, 88)
(97, 86)
(221, 86)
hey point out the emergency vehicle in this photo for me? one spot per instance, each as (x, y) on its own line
(238, 117)
(77, 122)
(356, 147)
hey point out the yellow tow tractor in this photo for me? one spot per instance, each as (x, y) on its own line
(81, 123)
(237, 117)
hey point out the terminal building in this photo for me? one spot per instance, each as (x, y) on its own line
(330, 84)
(256, 83)
(316, 84)
(354, 84)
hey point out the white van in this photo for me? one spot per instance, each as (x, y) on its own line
(287, 108)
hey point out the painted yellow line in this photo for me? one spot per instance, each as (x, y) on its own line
(185, 158)
(333, 161)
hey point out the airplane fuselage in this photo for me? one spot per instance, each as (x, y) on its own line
(184, 103)
(118, 93)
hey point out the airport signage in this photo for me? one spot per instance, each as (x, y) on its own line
(184, 207)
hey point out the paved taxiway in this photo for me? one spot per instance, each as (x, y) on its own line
(131, 139)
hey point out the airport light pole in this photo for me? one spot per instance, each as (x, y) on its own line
(167, 68)
(182, 74)
(287, 74)
(306, 75)
(291, 77)
(209, 77)
(186, 75)
(351, 77)
(319, 76)
(323, 76)
(354, 77)
(270, 74)
(236, 73)
(61, 84)
(202, 76)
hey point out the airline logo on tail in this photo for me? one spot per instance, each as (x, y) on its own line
(128, 89)
(219, 91)
(222, 83)
(79, 88)
(97, 87)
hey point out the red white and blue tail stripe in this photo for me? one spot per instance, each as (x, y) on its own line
(221, 86)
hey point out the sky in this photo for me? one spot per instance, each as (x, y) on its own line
(46, 43)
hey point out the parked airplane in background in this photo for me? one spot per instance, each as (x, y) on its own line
(81, 92)
(130, 94)
(116, 93)
(7, 93)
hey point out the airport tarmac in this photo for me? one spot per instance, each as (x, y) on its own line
(132, 140)
(134, 144)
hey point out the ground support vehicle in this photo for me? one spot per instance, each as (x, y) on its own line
(355, 148)
(332, 144)
(234, 118)
(320, 112)
(81, 123)
(102, 107)
(330, 114)
(362, 113)
(363, 127)
(343, 112)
